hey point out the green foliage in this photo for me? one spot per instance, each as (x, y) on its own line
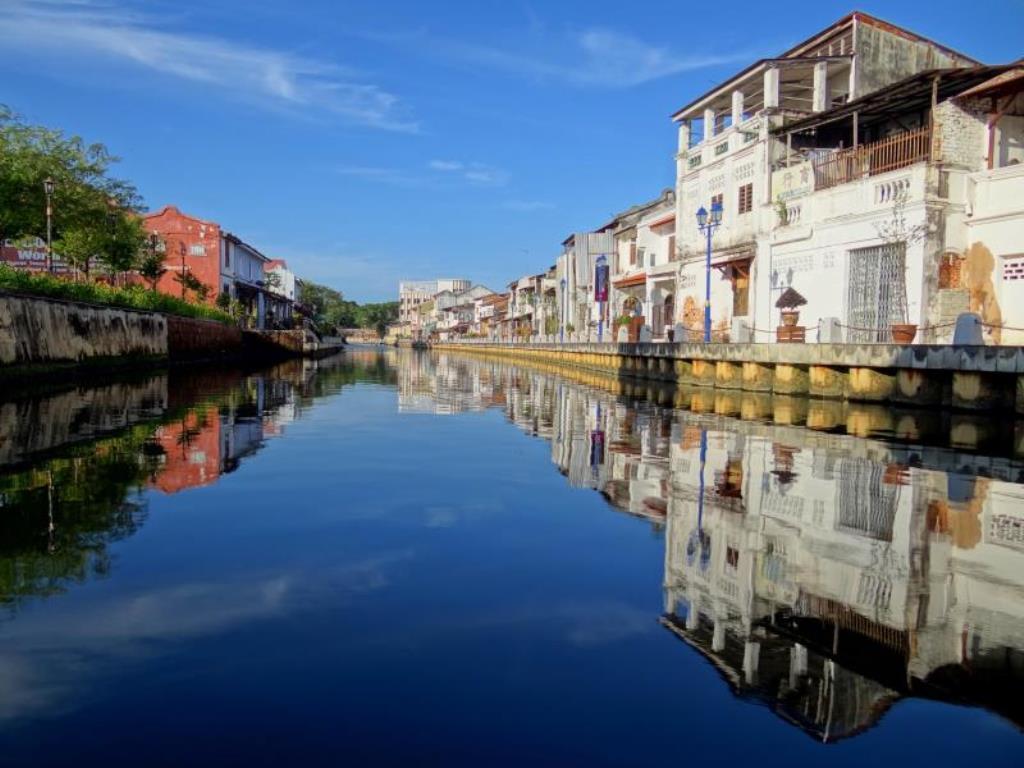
(132, 297)
(83, 195)
(332, 311)
(550, 325)
(151, 263)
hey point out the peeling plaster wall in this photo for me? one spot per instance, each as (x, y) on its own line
(42, 331)
(886, 56)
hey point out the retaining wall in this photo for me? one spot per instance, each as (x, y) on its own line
(192, 339)
(37, 331)
(980, 378)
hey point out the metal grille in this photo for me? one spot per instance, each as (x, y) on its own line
(878, 295)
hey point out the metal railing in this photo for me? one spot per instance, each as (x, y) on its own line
(889, 154)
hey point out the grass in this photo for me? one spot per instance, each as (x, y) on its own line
(132, 297)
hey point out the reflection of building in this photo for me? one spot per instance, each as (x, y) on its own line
(820, 561)
(824, 576)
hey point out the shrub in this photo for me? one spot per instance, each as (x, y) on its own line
(132, 297)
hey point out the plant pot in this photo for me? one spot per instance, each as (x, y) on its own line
(790, 317)
(903, 333)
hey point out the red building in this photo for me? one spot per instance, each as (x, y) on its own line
(191, 244)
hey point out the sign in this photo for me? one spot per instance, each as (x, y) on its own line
(793, 182)
(29, 255)
(601, 283)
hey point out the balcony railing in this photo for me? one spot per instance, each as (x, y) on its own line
(883, 156)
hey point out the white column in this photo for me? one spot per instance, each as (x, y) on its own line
(718, 636)
(751, 656)
(737, 107)
(684, 136)
(820, 87)
(709, 124)
(771, 88)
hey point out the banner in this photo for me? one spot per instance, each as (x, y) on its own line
(601, 282)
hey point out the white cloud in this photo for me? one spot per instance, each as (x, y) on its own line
(475, 173)
(446, 165)
(270, 78)
(595, 56)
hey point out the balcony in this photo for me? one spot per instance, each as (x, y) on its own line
(891, 154)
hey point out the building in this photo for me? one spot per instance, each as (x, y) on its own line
(732, 137)
(219, 261)
(282, 292)
(913, 225)
(413, 294)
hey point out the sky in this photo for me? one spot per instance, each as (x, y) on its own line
(371, 142)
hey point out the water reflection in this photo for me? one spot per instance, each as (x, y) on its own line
(824, 575)
(821, 572)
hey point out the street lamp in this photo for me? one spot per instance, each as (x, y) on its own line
(561, 332)
(48, 189)
(708, 224)
(181, 251)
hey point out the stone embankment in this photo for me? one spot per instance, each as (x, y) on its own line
(39, 335)
(980, 378)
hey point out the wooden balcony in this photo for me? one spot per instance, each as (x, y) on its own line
(889, 154)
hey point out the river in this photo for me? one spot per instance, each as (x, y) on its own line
(394, 557)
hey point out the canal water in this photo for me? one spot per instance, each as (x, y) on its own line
(410, 558)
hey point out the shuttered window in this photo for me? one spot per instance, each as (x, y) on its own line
(746, 198)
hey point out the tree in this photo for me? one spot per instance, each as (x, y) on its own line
(80, 246)
(29, 154)
(190, 282)
(151, 265)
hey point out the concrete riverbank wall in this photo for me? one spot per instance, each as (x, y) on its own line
(192, 339)
(37, 331)
(982, 378)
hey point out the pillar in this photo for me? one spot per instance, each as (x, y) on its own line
(919, 387)
(757, 377)
(871, 384)
(737, 107)
(790, 380)
(709, 124)
(983, 391)
(703, 372)
(824, 381)
(684, 136)
(820, 96)
(728, 375)
(771, 88)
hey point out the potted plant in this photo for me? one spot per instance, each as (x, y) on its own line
(788, 302)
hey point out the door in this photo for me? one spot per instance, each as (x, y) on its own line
(877, 294)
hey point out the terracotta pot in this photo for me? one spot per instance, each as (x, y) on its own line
(903, 333)
(790, 317)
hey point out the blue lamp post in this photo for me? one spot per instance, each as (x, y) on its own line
(561, 331)
(708, 224)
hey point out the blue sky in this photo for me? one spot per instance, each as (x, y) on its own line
(367, 142)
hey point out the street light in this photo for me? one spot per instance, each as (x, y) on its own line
(707, 225)
(561, 333)
(48, 189)
(181, 251)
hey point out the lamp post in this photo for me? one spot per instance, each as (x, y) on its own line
(708, 224)
(48, 189)
(561, 332)
(181, 252)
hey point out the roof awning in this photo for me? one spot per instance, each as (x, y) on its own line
(668, 218)
(631, 280)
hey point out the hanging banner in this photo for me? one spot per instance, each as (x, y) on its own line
(601, 282)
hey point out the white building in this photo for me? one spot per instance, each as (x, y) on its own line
(729, 145)
(242, 275)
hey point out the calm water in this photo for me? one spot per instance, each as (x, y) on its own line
(399, 558)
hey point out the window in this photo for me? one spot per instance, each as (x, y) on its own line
(632, 253)
(197, 250)
(227, 254)
(640, 253)
(746, 199)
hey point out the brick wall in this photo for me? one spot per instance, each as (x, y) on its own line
(961, 131)
(188, 338)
